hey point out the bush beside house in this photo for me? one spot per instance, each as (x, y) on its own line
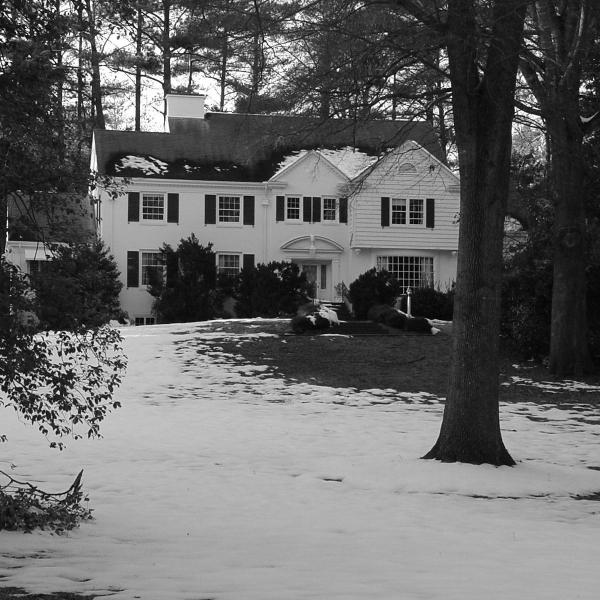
(78, 288)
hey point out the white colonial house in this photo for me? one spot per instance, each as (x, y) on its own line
(335, 197)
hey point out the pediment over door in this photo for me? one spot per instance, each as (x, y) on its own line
(308, 245)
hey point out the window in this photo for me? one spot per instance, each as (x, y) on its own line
(229, 209)
(153, 207)
(228, 264)
(292, 208)
(145, 320)
(152, 267)
(411, 271)
(416, 212)
(329, 209)
(398, 211)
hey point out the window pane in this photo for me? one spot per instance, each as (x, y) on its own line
(416, 212)
(152, 267)
(229, 209)
(329, 209)
(398, 211)
(153, 207)
(411, 271)
(229, 264)
(292, 208)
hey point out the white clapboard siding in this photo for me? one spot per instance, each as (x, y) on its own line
(409, 172)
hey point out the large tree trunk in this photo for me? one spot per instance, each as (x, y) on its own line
(569, 350)
(483, 110)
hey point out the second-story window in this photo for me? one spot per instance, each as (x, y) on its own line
(292, 208)
(329, 209)
(153, 207)
(398, 211)
(229, 209)
(416, 211)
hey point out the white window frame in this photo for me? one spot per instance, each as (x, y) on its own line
(335, 209)
(163, 207)
(228, 270)
(416, 206)
(240, 208)
(409, 211)
(287, 208)
(145, 320)
(143, 278)
(411, 271)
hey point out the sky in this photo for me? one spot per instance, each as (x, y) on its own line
(222, 480)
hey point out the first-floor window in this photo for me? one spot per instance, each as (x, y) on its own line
(152, 267)
(229, 209)
(329, 209)
(153, 207)
(145, 320)
(228, 264)
(292, 208)
(411, 271)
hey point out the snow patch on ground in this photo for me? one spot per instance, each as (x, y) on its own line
(219, 480)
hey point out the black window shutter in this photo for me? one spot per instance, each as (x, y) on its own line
(172, 208)
(210, 209)
(172, 269)
(316, 212)
(430, 213)
(343, 214)
(248, 210)
(385, 212)
(280, 208)
(306, 209)
(133, 268)
(133, 207)
(248, 261)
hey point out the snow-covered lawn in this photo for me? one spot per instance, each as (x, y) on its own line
(220, 481)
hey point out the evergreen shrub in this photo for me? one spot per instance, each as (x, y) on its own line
(371, 288)
(271, 290)
(430, 303)
(78, 288)
(189, 291)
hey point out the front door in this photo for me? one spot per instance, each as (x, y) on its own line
(317, 276)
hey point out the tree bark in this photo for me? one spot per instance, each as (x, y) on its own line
(569, 350)
(99, 121)
(166, 48)
(138, 70)
(483, 105)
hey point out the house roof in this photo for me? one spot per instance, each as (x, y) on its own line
(241, 147)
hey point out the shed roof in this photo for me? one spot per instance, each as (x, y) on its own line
(242, 147)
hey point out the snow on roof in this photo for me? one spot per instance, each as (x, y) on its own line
(348, 160)
(147, 164)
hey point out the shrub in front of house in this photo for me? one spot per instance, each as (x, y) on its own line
(189, 291)
(271, 290)
(430, 303)
(78, 288)
(371, 288)
(393, 317)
